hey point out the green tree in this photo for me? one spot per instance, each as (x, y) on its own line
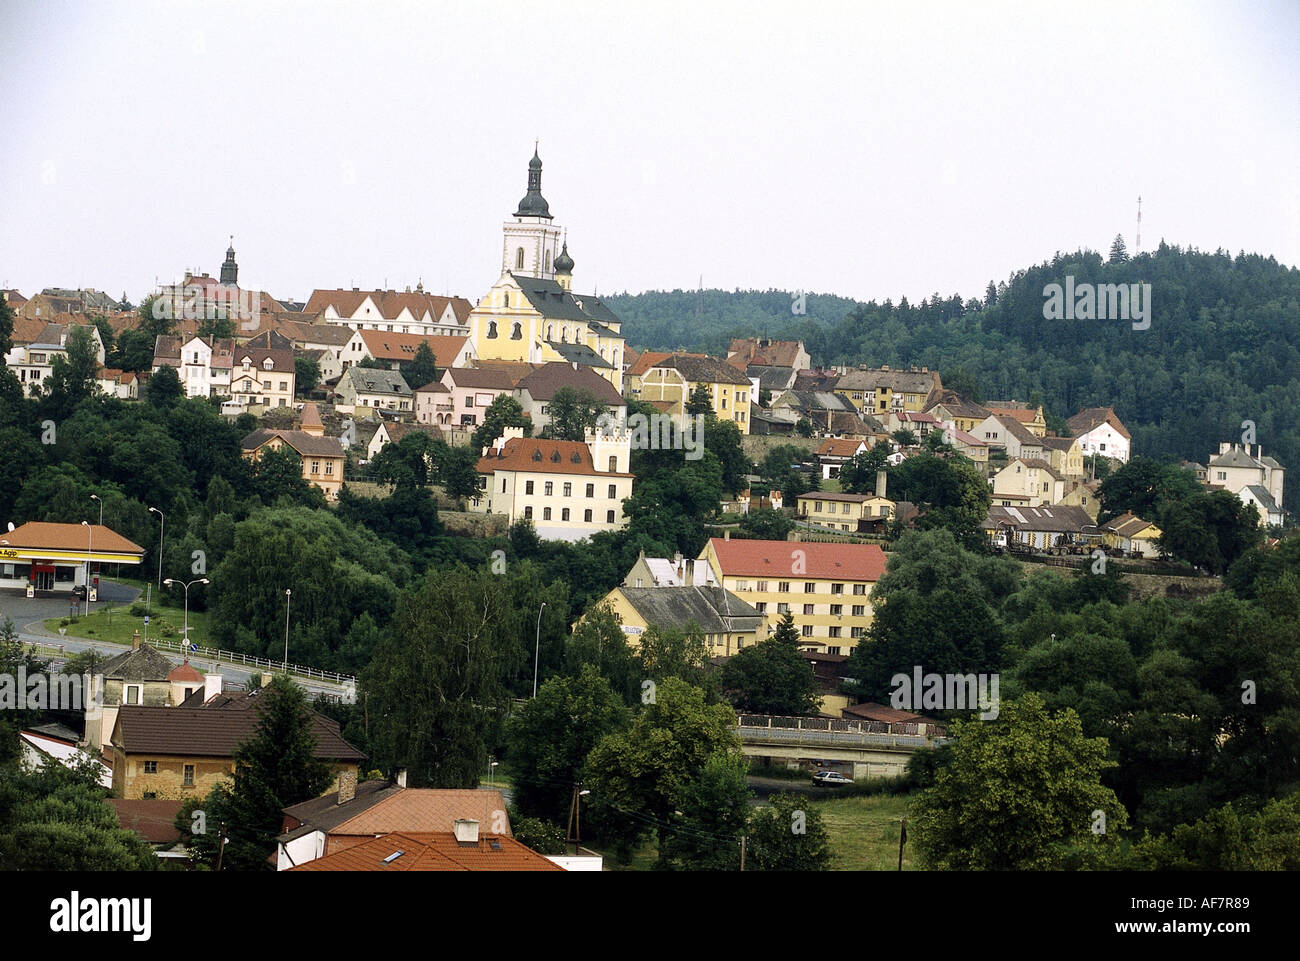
(1118, 250)
(503, 412)
(573, 412)
(771, 677)
(700, 401)
(1019, 793)
(639, 776)
(705, 835)
(858, 473)
(164, 389)
(949, 492)
(803, 427)
(274, 769)
(420, 369)
(789, 835)
(904, 436)
(767, 524)
(550, 737)
(1210, 529)
(437, 685)
(72, 378)
(1144, 487)
(306, 375)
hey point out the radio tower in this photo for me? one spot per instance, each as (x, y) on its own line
(1138, 244)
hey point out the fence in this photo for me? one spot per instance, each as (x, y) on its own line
(250, 660)
(834, 725)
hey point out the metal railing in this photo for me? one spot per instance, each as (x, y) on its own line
(836, 725)
(251, 660)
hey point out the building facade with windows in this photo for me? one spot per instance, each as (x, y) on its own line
(826, 587)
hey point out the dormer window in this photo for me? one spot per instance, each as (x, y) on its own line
(537, 455)
(555, 457)
(576, 458)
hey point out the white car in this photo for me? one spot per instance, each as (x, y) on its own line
(831, 777)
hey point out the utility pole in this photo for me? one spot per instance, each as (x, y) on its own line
(902, 839)
(221, 843)
(742, 852)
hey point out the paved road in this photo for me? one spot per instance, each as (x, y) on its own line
(29, 613)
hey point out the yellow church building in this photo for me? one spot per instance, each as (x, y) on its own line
(531, 314)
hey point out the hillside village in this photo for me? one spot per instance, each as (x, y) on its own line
(707, 517)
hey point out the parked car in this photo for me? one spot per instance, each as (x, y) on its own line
(831, 777)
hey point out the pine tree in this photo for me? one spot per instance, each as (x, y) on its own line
(1118, 252)
(700, 401)
(786, 633)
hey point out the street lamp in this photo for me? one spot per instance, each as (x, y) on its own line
(537, 645)
(491, 765)
(90, 546)
(286, 632)
(169, 582)
(162, 525)
(96, 497)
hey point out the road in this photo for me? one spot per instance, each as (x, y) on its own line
(29, 615)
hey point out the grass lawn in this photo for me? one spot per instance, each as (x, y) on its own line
(864, 832)
(117, 626)
(831, 485)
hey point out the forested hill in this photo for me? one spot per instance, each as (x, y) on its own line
(1223, 346)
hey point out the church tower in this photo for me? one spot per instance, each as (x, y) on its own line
(531, 239)
(230, 269)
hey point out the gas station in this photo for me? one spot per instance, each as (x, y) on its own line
(47, 559)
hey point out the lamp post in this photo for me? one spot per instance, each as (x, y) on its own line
(537, 646)
(491, 772)
(201, 580)
(96, 497)
(286, 632)
(90, 547)
(162, 525)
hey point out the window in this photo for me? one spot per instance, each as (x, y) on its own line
(783, 608)
(591, 490)
(761, 607)
(492, 329)
(189, 775)
(859, 589)
(613, 464)
(315, 467)
(528, 513)
(761, 587)
(564, 514)
(807, 630)
(832, 650)
(817, 506)
(284, 385)
(546, 513)
(809, 587)
(586, 516)
(519, 261)
(857, 631)
(742, 585)
(835, 632)
(528, 487)
(837, 609)
(132, 694)
(150, 767)
(613, 491)
(568, 489)
(845, 508)
(837, 588)
(266, 385)
(329, 467)
(808, 608)
(783, 587)
(609, 517)
(859, 610)
(548, 488)
(517, 331)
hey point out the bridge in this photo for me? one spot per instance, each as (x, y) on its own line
(859, 749)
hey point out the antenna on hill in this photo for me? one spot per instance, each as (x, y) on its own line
(1138, 243)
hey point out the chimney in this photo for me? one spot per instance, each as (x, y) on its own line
(135, 641)
(466, 830)
(400, 777)
(726, 535)
(881, 481)
(347, 786)
(212, 684)
(690, 573)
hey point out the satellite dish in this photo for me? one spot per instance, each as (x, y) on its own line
(11, 526)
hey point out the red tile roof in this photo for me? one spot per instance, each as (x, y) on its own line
(185, 672)
(838, 447)
(553, 457)
(433, 852)
(389, 302)
(69, 537)
(813, 559)
(386, 345)
(153, 819)
(428, 810)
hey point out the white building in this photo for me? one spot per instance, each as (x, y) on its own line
(1099, 431)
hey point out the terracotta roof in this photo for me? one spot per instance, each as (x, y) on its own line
(649, 359)
(310, 416)
(1022, 414)
(1093, 417)
(835, 447)
(833, 496)
(324, 812)
(881, 712)
(427, 810)
(386, 345)
(433, 852)
(436, 387)
(390, 304)
(69, 537)
(544, 382)
(153, 819)
(818, 560)
(281, 360)
(184, 672)
(203, 732)
(553, 457)
(771, 353)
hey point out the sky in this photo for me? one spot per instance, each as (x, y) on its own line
(869, 149)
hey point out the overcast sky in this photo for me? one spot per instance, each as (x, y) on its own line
(871, 150)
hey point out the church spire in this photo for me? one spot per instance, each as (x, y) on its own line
(230, 269)
(534, 204)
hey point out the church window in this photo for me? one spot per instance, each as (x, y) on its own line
(507, 296)
(519, 259)
(492, 329)
(517, 333)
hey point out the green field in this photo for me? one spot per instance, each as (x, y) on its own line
(863, 832)
(117, 626)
